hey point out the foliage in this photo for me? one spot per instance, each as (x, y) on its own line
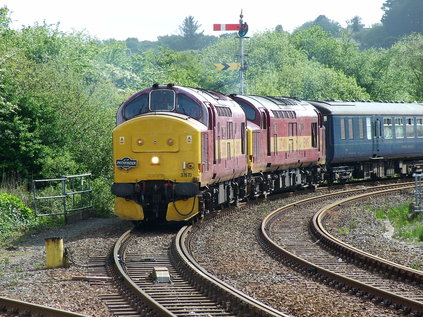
(189, 38)
(405, 227)
(13, 212)
(402, 17)
(14, 216)
(59, 91)
(329, 26)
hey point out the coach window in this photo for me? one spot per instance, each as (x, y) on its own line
(137, 106)
(361, 128)
(342, 126)
(399, 128)
(409, 128)
(162, 100)
(369, 128)
(387, 128)
(350, 129)
(419, 127)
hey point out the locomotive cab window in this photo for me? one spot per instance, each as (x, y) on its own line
(136, 107)
(162, 100)
(188, 106)
(250, 113)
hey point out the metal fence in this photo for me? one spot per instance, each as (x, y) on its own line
(418, 194)
(60, 196)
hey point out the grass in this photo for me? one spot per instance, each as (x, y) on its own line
(406, 227)
(347, 229)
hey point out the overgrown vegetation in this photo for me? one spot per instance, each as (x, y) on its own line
(17, 218)
(59, 92)
(407, 227)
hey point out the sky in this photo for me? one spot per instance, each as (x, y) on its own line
(147, 19)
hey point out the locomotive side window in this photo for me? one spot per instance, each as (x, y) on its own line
(138, 106)
(387, 128)
(162, 100)
(399, 128)
(419, 127)
(409, 128)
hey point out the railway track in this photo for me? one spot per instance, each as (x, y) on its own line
(284, 235)
(171, 283)
(13, 307)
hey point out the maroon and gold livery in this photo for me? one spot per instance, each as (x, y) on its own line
(179, 151)
(172, 147)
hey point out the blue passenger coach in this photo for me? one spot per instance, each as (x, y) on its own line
(372, 139)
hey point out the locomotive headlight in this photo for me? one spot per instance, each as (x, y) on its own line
(140, 142)
(170, 142)
(190, 165)
(155, 160)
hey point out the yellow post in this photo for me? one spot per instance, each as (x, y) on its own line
(54, 252)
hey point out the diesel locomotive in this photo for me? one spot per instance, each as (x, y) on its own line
(180, 152)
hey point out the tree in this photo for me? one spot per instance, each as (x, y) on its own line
(355, 24)
(331, 27)
(402, 17)
(189, 28)
(279, 28)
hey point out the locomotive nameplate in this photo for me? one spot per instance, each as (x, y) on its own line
(126, 163)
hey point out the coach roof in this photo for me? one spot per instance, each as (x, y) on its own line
(369, 108)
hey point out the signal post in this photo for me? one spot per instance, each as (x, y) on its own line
(242, 29)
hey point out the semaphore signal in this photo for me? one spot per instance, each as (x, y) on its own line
(242, 28)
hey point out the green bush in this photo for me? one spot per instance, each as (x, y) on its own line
(13, 212)
(102, 196)
(405, 226)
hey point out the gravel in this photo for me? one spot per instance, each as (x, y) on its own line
(23, 275)
(358, 226)
(235, 257)
(227, 247)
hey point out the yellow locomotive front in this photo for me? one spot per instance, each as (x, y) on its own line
(157, 156)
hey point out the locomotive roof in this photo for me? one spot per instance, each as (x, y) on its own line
(278, 103)
(369, 108)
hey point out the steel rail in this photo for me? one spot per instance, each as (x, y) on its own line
(13, 305)
(359, 257)
(238, 302)
(317, 271)
(139, 298)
